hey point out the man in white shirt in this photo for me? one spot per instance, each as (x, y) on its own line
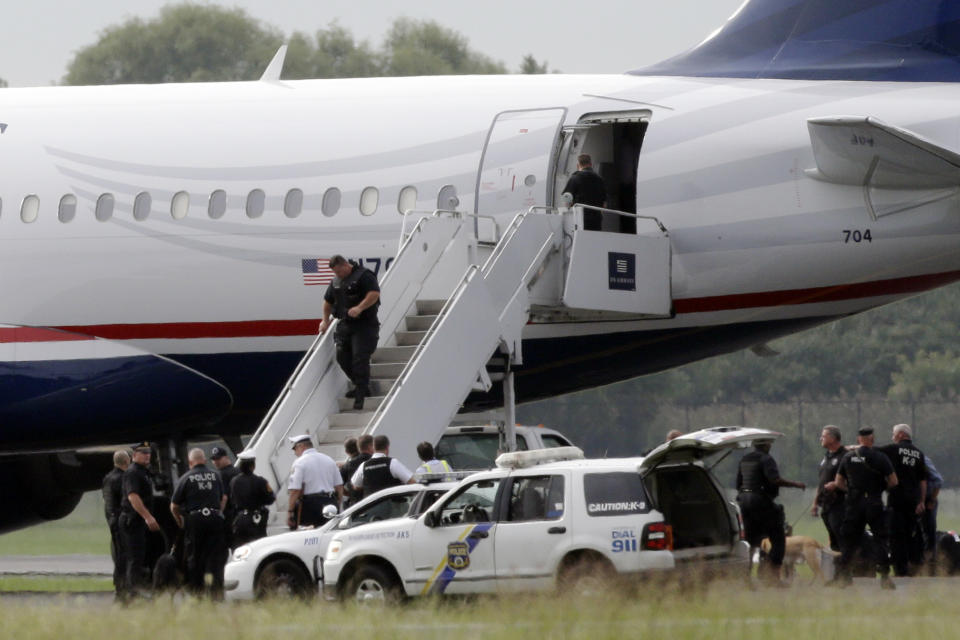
(314, 483)
(431, 466)
(380, 471)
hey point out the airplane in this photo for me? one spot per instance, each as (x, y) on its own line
(162, 246)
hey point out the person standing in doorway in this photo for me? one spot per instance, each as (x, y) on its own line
(587, 188)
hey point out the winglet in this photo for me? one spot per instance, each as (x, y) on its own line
(272, 72)
(3, 127)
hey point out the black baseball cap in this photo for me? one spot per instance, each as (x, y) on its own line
(217, 452)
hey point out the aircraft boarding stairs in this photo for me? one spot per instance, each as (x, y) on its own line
(444, 319)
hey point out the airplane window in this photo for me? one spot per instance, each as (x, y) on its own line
(331, 202)
(369, 199)
(30, 208)
(293, 203)
(179, 205)
(68, 208)
(104, 209)
(407, 200)
(141, 206)
(447, 197)
(255, 202)
(218, 204)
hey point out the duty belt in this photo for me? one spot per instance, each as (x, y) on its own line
(321, 494)
(207, 511)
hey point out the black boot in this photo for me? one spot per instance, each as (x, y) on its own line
(360, 394)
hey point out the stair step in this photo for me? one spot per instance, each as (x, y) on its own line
(393, 354)
(334, 450)
(371, 403)
(338, 435)
(420, 323)
(379, 386)
(426, 307)
(386, 370)
(410, 337)
(350, 419)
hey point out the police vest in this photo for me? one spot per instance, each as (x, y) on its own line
(752, 477)
(377, 476)
(199, 488)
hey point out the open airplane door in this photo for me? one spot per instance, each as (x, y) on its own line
(517, 163)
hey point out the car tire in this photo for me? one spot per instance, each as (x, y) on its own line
(586, 577)
(283, 578)
(372, 584)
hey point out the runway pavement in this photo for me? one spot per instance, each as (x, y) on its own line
(56, 565)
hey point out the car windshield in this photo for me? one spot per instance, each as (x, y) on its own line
(387, 508)
(472, 450)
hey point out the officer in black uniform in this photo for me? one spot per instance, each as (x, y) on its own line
(353, 298)
(587, 187)
(758, 485)
(197, 506)
(136, 518)
(828, 503)
(864, 474)
(357, 456)
(250, 495)
(227, 473)
(112, 499)
(906, 500)
(380, 471)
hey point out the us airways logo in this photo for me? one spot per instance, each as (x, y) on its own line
(3, 127)
(621, 271)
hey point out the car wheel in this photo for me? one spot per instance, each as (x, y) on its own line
(283, 578)
(372, 584)
(586, 577)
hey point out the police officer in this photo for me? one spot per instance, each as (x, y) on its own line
(136, 518)
(112, 499)
(907, 500)
(314, 483)
(587, 188)
(197, 506)
(356, 457)
(430, 466)
(828, 502)
(250, 495)
(353, 298)
(864, 474)
(758, 485)
(227, 473)
(934, 483)
(380, 471)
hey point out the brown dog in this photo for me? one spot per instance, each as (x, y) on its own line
(800, 548)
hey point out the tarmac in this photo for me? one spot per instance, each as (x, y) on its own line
(56, 565)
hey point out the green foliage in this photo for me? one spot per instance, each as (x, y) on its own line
(185, 43)
(927, 375)
(530, 66)
(203, 43)
(423, 47)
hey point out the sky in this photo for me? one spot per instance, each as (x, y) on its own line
(39, 38)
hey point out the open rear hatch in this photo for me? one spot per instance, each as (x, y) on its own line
(703, 521)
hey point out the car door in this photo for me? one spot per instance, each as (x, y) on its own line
(456, 555)
(707, 445)
(534, 530)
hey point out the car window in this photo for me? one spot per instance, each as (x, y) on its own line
(615, 493)
(394, 506)
(536, 498)
(429, 497)
(472, 450)
(553, 440)
(472, 503)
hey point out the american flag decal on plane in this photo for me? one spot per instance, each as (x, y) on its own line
(317, 271)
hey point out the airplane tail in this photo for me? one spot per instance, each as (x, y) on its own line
(875, 40)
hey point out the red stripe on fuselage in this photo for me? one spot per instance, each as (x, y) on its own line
(834, 293)
(306, 327)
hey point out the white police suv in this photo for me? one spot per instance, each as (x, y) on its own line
(289, 563)
(549, 518)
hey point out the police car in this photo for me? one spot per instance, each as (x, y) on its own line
(549, 518)
(288, 563)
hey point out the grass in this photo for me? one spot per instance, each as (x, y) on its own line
(724, 610)
(55, 584)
